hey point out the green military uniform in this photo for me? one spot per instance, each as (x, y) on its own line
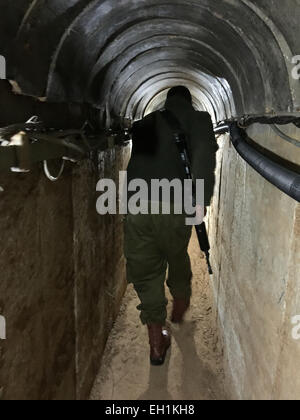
(155, 243)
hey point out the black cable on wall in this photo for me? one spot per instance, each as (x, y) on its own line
(284, 179)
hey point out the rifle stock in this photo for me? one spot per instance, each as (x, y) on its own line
(204, 244)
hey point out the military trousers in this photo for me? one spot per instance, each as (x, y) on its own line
(157, 245)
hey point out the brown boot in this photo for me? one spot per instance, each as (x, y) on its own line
(180, 306)
(160, 341)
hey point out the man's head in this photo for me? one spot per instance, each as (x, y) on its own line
(180, 91)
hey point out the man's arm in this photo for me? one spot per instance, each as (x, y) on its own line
(204, 147)
(144, 135)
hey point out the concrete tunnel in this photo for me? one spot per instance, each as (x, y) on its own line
(62, 266)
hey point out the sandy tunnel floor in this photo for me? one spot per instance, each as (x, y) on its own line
(193, 369)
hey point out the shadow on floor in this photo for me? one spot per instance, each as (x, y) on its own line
(158, 383)
(197, 380)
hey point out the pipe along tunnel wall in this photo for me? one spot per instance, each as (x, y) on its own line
(121, 56)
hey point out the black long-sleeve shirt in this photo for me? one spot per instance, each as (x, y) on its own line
(155, 155)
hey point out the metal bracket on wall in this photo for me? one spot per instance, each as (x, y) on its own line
(51, 177)
(22, 145)
(21, 142)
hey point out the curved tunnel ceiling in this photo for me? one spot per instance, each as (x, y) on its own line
(123, 55)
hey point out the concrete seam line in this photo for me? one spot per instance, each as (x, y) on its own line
(27, 15)
(284, 47)
(61, 43)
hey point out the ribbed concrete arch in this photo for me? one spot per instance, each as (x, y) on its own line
(215, 90)
(174, 55)
(133, 77)
(175, 50)
(145, 91)
(170, 32)
(121, 54)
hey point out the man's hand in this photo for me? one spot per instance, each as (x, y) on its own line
(201, 212)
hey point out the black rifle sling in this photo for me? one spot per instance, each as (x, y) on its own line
(180, 140)
(172, 121)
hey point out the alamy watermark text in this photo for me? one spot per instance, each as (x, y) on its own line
(178, 196)
(296, 69)
(2, 328)
(296, 329)
(2, 67)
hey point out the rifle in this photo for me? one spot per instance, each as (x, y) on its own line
(181, 143)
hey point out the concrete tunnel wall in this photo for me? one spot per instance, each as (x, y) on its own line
(255, 232)
(236, 56)
(63, 269)
(62, 279)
